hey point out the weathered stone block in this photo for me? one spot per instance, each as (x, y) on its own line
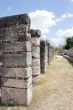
(16, 83)
(35, 41)
(14, 47)
(14, 96)
(22, 28)
(35, 33)
(35, 62)
(12, 60)
(8, 34)
(14, 34)
(35, 71)
(35, 55)
(25, 37)
(14, 20)
(35, 50)
(16, 72)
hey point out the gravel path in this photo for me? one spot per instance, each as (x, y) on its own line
(54, 90)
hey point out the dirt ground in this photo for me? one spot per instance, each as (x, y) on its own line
(54, 89)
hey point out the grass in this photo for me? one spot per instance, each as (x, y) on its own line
(54, 89)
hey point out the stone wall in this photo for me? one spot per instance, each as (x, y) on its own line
(16, 72)
(35, 41)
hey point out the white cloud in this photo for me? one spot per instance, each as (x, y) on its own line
(64, 33)
(43, 20)
(44, 37)
(55, 41)
(64, 16)
(61, 36)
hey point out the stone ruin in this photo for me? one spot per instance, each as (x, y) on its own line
(44, 55)
(15, 44)
(35, 49)
(22, 58)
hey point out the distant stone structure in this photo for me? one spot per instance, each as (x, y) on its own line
(35, 41)
(46, 54)
(50, 53)
(48, 46)
(15, 44)
(43, 56)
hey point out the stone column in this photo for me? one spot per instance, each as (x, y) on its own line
(46, 54)
(48, 44)
(50, 54)
(43, 56)
(15, 43)
(35, 40)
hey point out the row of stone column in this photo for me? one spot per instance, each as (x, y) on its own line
(46, 55)
(23, 57)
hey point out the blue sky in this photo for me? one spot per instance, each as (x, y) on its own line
(53, 17)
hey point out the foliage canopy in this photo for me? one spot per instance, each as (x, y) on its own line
(69, 43)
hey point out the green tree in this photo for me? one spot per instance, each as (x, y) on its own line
(69, 43)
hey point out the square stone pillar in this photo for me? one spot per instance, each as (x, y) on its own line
(43, 56)
(35, 42)
(46, 54)
(48, 44)
(51, 54)
(16, 76)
